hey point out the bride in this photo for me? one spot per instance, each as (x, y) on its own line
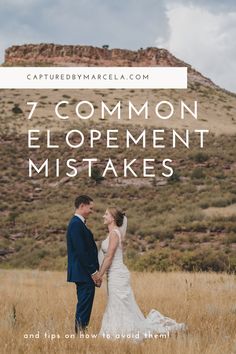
(122, 316)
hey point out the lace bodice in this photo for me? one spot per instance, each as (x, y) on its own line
(117, 261)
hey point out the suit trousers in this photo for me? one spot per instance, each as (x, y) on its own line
(85, 295)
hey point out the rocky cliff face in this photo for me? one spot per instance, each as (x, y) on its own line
(89, 56)
(76, 55)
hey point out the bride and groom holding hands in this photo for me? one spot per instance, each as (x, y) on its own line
(87, 266)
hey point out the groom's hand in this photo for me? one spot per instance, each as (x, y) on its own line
(98, 283)
(97, 279)
(96, 276)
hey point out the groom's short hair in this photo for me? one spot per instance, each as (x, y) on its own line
(82, 199)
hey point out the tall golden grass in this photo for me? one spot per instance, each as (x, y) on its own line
(37, 302)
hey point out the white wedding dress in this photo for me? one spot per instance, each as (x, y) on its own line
(122, 317)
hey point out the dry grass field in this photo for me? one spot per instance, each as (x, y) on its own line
(39, 302)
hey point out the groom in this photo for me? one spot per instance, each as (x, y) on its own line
(83, 266)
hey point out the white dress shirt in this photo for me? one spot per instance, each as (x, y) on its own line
(83, 219)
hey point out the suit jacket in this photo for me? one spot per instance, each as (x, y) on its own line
(82, 252)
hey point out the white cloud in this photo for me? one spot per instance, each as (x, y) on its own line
(204, 39)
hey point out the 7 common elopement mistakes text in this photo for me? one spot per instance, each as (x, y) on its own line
(112, 139)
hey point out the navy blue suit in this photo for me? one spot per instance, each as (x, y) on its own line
(82, 262)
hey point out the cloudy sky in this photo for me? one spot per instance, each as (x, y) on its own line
(202, 33)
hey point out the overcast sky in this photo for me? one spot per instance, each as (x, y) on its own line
(201, 33)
